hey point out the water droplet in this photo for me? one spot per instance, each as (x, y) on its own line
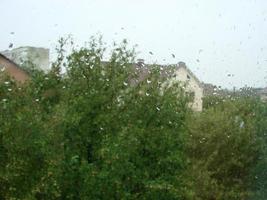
(241, 124)
(124, 83)
(9, 89)
(147, 94)
(6, 82)
(36, 100)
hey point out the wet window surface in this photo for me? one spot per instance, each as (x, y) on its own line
(125, 99)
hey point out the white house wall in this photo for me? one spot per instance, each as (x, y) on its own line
(192, 85)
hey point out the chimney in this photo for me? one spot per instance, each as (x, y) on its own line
(140, 62)
(181, 64)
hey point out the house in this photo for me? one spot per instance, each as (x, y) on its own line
(10, 61)
(181, 74)
(12, 69)
(192, 84)
(38, 56)
(262, 92)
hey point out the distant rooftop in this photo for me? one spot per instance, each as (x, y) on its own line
(165, 70)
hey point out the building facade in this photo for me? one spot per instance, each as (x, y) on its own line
(192, 84)
(176, 73)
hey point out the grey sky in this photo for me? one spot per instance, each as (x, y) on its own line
(214, 37)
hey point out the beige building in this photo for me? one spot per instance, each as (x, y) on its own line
(10, 68)
(192, 84)
(181, 74)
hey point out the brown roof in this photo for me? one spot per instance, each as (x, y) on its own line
(12, 62)
(166, 71)
(14, 69)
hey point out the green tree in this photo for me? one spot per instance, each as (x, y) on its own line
(22, 141)
(94, 132)
(226, 144)
(121, 140)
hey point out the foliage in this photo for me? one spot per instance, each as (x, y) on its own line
(98, 131)
(91, 133)
(227, 142)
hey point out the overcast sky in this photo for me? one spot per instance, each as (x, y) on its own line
(215, 38)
